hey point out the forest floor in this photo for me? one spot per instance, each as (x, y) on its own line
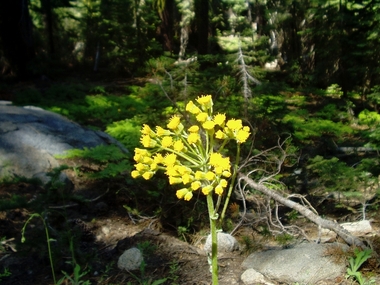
(96, 228)
(101, 229)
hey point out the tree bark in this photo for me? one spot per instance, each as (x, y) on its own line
(16, 35)
(324, 223)
(201, 8)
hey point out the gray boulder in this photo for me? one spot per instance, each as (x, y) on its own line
(131, 259)
(30, 137)
(304, 263)
(226, 243)
(252, 277)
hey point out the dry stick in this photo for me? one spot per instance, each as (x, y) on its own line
(324, 223)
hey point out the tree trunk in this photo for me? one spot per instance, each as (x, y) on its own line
(48, 11)
(16, 35)
(201, 8)
(324, 223)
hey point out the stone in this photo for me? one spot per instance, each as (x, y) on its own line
(131, 259)
(30, 137)
(358, 229)
(252, 277)
(304, 263)
(226, 243)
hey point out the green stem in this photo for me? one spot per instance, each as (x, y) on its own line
(47, 239)
(214, 239)
(184, 156)
(232, 183)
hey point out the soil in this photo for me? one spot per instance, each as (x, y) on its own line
(98, 228)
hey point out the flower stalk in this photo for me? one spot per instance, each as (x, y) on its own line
(193, 157)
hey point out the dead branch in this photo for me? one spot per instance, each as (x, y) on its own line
(307, 213)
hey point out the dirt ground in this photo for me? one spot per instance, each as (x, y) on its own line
(100, 230)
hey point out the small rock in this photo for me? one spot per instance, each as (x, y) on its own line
(226, 243)
(251, 276)
(358, 229)
(131, 259)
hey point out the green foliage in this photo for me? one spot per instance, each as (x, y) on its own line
(5, 273)
(332, 173)
(147, 248)
(75, 278)
(144, 280)
(14, 202)
(100, 154)
(284, 239)
(334, 91)
(112, 159)
(306, 128)
(126, 131)
(371, 119)
(249, 244)
(292, 215)
(355, 263)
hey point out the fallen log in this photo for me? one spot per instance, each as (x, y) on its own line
(324, 223)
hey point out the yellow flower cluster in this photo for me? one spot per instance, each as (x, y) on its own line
(189, 156)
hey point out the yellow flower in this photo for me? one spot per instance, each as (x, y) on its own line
(174, 180)
(187, 178)
(178, 146)
(146, 130)
(219, 119)
(226, 174)
(158, 158)
(182, 170)
(171, 171)
(199, 175)
(140, 154)
(147, 160)
(219, 190)
(148, 175)
(135, 174)
(208, 125)
(193, 138)
(242, 136)
(217, 160)
(140, 167)
(223, 183)
(192, 108)
(162, 132)
(170, 159)
(181, 193)
(218, 170)
(234, 124)
(207, 189)
(194, 129)
(220, 135)
(196, 185)
(205, 100)
(167, 142)
(185, 194)
(220, 187)
(210, 176)
(147, 142)
(202, 117)
(153, 166)
(174, 123)
(188, 196)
